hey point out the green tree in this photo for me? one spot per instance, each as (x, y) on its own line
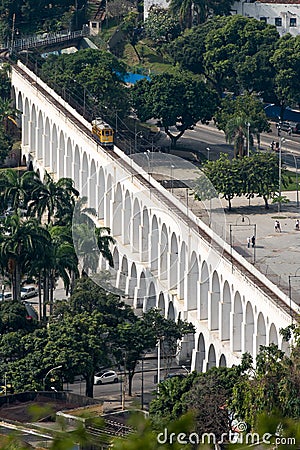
(175, 101)
(224, 176)
(15, 189)
(234, 115)
(90, 76)
(286, 61)
(228, 63)
(19, 245)
(160, 26)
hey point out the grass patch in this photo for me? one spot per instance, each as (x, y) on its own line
(292, 185)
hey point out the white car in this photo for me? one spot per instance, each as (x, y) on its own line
(5, 296)
(109, 376)
(28, 292)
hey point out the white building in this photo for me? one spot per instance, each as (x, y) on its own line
(284, 14)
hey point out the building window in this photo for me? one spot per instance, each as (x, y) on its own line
(278, 21)
(293, 22)
(263, 19)
(94, 24)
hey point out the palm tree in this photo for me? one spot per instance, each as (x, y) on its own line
(56, 199)
(183, 9)
(236, 131)
(15, 189)
(20, 245)
(88, 237)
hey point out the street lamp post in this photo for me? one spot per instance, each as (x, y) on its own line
(281, 140)
(248, 139)
(208, 151)
(49, 371)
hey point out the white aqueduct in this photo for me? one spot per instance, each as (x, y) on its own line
(165, 256)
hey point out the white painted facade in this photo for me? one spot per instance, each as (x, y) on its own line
(160, 258)
(285, 16)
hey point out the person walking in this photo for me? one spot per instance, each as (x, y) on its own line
(248, 242)
(297, 225)
(277, 226)
(253, 241)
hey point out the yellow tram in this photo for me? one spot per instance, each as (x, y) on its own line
(103, 132)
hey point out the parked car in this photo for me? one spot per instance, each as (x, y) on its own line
(28, 292)
(6, 296)
(295, 127)
(109, 376)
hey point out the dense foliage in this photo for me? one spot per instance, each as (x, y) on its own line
(256, 175)
(175, 101)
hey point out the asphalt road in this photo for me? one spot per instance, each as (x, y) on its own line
(208, 136)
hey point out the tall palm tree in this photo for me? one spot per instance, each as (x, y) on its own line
(54, 198)
(88, 237)
(16, 189)
(20, 244)
(236, 131)
(183, 9)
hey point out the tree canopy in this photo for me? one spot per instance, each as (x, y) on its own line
(178, 101)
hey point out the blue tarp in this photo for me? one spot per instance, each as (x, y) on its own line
(134, 77)
(273, 112)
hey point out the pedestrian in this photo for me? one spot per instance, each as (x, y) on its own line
(272, 145)
(248, 242)
(253, 241)
(297, 224)
(277, 226)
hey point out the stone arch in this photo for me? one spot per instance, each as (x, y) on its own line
(84, 176)
(61, 155)
(171, 311)
(145, 236)
(211, 359)
(54, 149)
(273, 337)
(225, 315)
(237, 323)
(215, 302)
(200, 354)
(204, 289)
(101, 194)
(163, 252)
(136, 223)
(47, 148)
(193, 283)
(174, 262)
(142, 292)
(33, 129)
(151, 299)
(117, 211)
(154, 244)
(182, 270)
(116, 259)
(77, 168)
(26, 121)
(108, 199)
(222, 361)
(68, 160)
(92, 192)
(249, 329)
(123, 274)
(127, 219)
(261, 332)
(40, 134)
(161, 304)
(132, 282)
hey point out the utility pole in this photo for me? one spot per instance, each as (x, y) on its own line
(13, 30)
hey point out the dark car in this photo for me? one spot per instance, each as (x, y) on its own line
(295, 127)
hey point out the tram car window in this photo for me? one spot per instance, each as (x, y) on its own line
(103, 132)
